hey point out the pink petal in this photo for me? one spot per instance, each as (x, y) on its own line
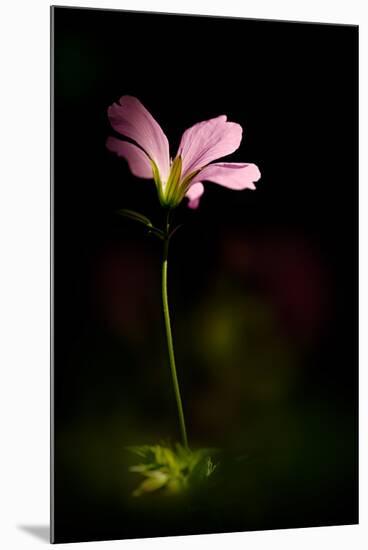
(194, 193)
(233, 175)
(208, 141)
(138, 161)
(131, 119)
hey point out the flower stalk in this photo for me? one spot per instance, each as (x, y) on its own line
(170, 345)
(147, 151)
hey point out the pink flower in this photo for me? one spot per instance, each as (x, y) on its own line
(148, 153)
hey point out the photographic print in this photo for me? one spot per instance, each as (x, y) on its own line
(204, 274)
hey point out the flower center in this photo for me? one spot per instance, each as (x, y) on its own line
(173, 191)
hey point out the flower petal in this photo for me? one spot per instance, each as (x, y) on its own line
(131, 119)
(233, 175)
(138, 161)
(208, 141)
(194, 193)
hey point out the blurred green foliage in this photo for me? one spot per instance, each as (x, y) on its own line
(171, 469)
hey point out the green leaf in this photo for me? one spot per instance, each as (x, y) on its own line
(175, 230)
(144, 451)
(202, 470)
(157, 232)
(155, 480)
(136, 216)
(172, 469)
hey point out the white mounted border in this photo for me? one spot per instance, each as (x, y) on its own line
(24, 271)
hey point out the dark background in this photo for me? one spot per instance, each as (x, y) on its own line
(262, 284)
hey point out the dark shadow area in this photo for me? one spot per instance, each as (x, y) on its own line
(41, 532)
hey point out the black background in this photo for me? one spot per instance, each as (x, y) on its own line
(293, 88)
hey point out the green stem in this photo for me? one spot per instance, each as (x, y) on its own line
(169, 338)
